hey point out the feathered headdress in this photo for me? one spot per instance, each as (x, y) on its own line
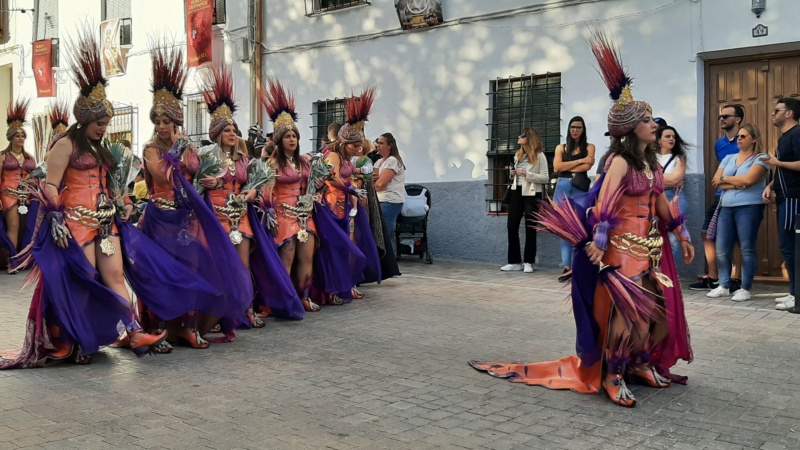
(15, 117)
(280, 106)
(59, 116)
(218, 95)
(356, 110)
(169, 78)
(626, 112)
(87, 70)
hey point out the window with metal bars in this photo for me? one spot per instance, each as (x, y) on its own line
(121, 127)
(46, 19)
(196, 119)
(120, 9)
(219, 12)
(324, 6)
(529, 101)
(325, 112)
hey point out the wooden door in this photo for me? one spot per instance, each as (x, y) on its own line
(756, 84)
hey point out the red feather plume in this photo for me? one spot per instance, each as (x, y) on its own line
(17, 110)
(218, 88)
(59, 113)
(357, 108)
(611, 70)
(169, 72)
(276, 100)
(86, 63)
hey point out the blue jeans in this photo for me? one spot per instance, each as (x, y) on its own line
(565, 189)
(738, 223)
(674, 242)
(786, 238)
(390, 212)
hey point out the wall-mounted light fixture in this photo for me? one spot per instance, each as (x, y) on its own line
(758, 7)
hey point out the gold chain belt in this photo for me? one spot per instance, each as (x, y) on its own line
(300, 212)
(102, 219)
(641, 247)
(165, 204)
(233, 211)
(20, 194)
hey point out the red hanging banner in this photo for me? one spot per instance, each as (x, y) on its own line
(199, 17)
(43, 68)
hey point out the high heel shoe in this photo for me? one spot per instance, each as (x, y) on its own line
(191, 338)
(264, 312)
(647, 375)
(357, 295)
(143, 343)
(617, 391)
(310, 306)
(335, 300)
(255, 321)
(80, 358)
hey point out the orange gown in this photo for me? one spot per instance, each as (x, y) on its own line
(235, 177)
(289, 186)
(13, 173)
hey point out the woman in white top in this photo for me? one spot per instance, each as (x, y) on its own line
(528, 175)
(672, 158)
(390, 175)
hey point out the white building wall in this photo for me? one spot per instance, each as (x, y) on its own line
(433, 83)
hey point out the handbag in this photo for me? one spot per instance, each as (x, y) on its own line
(507, 196)
(711, 232)
(580, 181)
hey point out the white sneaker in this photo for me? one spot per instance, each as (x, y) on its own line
(784, 299)
(528, 267)
(742, 295)
(718, 292)
(511, 267)
(785, 306)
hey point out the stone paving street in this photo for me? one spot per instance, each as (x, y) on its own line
(391, 372)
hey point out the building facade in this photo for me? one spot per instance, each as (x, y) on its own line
(457, 94)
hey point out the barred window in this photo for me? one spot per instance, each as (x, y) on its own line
(196, 119)
(121, 126)
(529, 101)
(325, 112)
(219, 12)
(47, 19)
(325, 6)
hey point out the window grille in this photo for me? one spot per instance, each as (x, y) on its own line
(123, 126)
(116, 9)
(219, 12)
(325, 6)
(529, 101)
(325, 112)
(196, 119)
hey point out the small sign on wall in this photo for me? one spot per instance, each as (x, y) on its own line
(760, 30)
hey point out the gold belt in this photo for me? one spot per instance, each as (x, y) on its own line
(165, 204)
(641, 247)
(91, 218)
(233, 210)
(300, 212)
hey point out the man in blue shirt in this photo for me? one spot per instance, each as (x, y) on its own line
(731, 118)
(785, 188)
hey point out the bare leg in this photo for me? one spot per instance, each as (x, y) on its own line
(287, 252)
(12, 224)
(711, 257)
(303, 271)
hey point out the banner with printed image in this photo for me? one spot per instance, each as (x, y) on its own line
(199, 18)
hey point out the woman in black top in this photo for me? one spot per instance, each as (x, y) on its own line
(572, 160)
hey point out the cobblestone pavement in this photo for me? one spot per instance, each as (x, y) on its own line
(391, 371)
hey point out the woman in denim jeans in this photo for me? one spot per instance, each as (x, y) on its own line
(672, 158)
(571, 160)
(742, 177)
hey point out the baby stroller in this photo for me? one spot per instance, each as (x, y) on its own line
(411, 229)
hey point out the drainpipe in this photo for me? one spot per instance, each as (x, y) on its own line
(256, 21)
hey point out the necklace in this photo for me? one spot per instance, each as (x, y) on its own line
(231, 164)
(20, 157)
(648, 173)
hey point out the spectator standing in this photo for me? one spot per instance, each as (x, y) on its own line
(730, 118)
(528, 175)
(390, 181)
(742, 178)
(672, 159)
(786, 187)
(572, 160)
(253, 134)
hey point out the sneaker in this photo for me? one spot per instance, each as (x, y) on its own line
(741, 295)
(565, 276)
(718, 292)
(706, 284)
(734, 285)
(785, 306)
(784, 299)
(511, 267)
(528, 267)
